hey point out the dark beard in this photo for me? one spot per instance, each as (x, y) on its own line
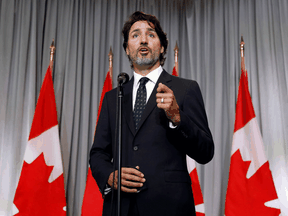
(142, 61)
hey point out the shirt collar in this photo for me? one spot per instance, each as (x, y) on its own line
(153, 76)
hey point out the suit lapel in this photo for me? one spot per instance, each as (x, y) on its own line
(127, 104)
(165, 79)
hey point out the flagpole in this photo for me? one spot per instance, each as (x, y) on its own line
(52, 52)
(110, 55)
(176, 52)
(242, 55)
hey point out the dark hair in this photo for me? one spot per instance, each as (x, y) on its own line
(154, 23)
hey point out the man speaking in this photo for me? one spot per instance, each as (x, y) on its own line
(164, 120)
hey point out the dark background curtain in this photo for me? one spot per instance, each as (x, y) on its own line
(208, 33)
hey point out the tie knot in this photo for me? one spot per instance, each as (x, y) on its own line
(143, 81)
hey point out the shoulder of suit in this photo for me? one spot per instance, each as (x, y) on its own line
(184, 81)
(125, 86)
(111, 93)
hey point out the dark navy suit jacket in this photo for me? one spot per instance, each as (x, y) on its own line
(158, 150)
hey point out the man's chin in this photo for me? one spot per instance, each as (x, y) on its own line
(145, 61)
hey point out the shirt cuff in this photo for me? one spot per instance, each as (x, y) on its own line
(107, 190)
(171, 125)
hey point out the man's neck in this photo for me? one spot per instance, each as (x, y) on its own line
(144, 70)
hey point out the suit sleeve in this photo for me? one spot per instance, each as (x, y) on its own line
(101, 151)
(193, 134)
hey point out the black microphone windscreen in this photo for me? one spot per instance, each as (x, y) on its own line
(123, 78)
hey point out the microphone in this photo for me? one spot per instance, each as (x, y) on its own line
(123, 78)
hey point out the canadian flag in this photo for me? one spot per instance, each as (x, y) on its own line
(196, 188)
(40, 190)
(251, 189)
(93, 202)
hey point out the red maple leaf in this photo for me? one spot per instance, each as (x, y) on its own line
(247, 196)
(35, 195)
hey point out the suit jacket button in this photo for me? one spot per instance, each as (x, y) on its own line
(135, 148)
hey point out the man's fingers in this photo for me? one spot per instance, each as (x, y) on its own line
(133, 178)
(132, 171)
(166, 99)
(131, 184)
(164, 95)
(163, 106)
(163, 88)
(128, 190)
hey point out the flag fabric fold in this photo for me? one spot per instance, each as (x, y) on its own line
(251, 189)
(93, 202)
(196, 188)
(174, 72)
(40, 190)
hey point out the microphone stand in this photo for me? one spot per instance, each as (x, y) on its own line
(120, 97)
(122, 79)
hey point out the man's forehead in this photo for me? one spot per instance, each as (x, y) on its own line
(142, 24)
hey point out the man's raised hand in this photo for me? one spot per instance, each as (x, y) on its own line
(166, 100)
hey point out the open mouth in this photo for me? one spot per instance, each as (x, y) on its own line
(143, 50)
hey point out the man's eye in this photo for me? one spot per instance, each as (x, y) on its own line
(135, 36)
(151, 35)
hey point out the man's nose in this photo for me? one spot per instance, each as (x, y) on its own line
(144, 39)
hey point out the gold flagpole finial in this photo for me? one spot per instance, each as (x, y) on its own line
(110, 55)
(242, 46)
(176, 49)
(242, 54)
(176, 53)
(52, 52)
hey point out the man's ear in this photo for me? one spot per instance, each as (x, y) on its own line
(127, 51)
(162, 49)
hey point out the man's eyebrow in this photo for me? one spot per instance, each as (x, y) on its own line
(137, 30)
(151, 29)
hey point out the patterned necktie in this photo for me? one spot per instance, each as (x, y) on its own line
(140, 101)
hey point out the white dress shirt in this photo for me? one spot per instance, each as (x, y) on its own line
(153, 78)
